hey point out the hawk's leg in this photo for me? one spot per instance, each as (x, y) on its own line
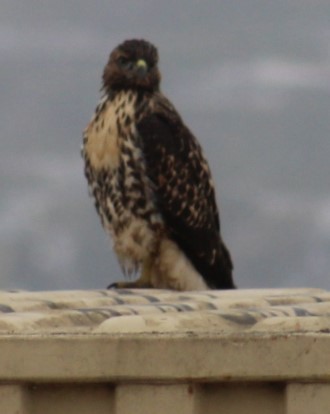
(144, 281)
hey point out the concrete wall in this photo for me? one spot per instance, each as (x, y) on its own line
(244, 351)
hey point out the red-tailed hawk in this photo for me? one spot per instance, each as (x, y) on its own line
(150, 181)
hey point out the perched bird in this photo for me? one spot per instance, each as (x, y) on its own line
(150, 181)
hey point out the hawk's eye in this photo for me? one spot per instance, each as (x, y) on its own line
(123, 61)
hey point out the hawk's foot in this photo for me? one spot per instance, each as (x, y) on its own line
(144, 281)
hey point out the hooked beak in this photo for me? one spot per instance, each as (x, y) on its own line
(141, 67)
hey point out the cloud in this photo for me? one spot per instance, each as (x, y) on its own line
(263, 84)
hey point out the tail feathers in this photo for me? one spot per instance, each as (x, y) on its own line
(219, 275)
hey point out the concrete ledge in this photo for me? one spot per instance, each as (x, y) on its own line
(163, 351)
(165, 358)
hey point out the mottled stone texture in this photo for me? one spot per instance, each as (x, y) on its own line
(159, 351)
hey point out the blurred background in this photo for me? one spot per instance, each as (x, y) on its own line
(251, 79)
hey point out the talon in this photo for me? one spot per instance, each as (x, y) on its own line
(113, 286)
(139, 284)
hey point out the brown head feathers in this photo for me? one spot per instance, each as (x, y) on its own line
(132, 65)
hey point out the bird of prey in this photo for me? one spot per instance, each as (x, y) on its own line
(150, 181)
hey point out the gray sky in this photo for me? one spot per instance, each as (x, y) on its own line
(250, 78)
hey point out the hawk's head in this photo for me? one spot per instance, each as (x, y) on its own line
(132, 65)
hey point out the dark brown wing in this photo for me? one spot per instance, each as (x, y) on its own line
(184, 193)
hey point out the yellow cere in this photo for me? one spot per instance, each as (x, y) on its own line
(141, 63)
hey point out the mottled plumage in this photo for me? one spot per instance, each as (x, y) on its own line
(150, 181)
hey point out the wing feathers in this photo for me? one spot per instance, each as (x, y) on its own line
(185, 194)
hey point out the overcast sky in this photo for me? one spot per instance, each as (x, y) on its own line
(250, 78)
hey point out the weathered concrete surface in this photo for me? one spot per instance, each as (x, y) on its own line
(127, 311)
(153, 351)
